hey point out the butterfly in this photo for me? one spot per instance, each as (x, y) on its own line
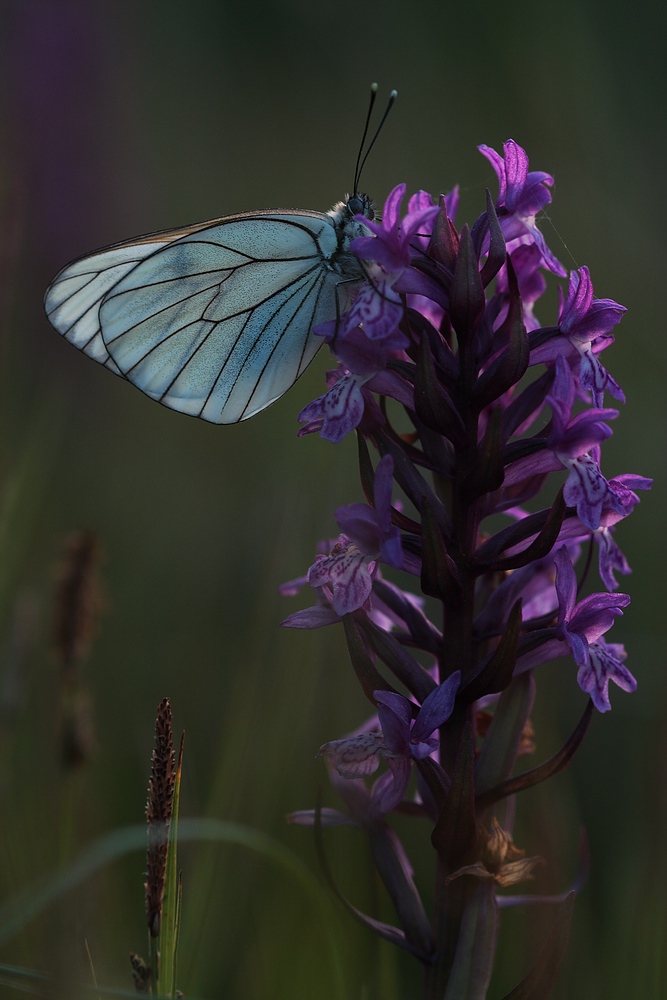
(216, 319)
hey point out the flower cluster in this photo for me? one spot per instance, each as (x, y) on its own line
(476, 409)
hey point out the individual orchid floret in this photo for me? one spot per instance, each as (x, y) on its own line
(586, 488)
(521, 196)
(581, 625)
(390, 609)
(367, 536)
(378, 310)
(585, 320)
(349, 574)
(611, 559)
(574, 434)
(390, 244)
(585, 621)
(320, 614)
(575, 443)
(363, 803)
(413, 737)
(362, 371)
(375, 313)
(404, 738)
(338, 411)
(370, 527)
(579, 629)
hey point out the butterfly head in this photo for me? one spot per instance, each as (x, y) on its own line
(343, 212)
(360, 204)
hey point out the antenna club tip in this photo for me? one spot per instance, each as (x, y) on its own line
(393, 95)
(361, 156)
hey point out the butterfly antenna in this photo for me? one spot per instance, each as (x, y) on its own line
(360, 162)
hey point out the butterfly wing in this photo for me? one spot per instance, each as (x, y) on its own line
(218, 324)
(214, 321)
(72, 300)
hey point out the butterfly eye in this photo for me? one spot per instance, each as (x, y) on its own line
(361, 204)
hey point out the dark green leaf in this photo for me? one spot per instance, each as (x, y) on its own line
(537, 774)
(497, 672)
(438, 573)
(511, 365)
(367, 673)
(467, 295)
(404, 667)
(497, 251)
(503, 739)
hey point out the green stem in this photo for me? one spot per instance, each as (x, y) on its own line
(154, 962)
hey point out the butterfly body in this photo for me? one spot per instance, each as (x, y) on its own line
(214, 320)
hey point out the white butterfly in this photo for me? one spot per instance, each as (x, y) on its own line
(215, 319)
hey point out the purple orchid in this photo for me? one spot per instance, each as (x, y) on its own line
(377, 307)
(604, 664)
(404, 738)
(585, 320)
(378, 310)
(445, 370)
(581, 625)
(374, 317)
(573, 444)
(370, 527)
(521, 196)
(362, 371)
(338, 411)
(625, 499)
(392, 608)
(390, 245)
(610, 558)
(367, 536)
(586, 488)
(348, 572)
(580, 628)
(575, 440)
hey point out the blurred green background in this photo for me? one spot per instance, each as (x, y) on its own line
(123, 117)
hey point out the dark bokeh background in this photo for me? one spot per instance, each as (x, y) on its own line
(121, 117)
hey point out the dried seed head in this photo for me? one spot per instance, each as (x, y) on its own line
(158, 814)
(78, 600)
